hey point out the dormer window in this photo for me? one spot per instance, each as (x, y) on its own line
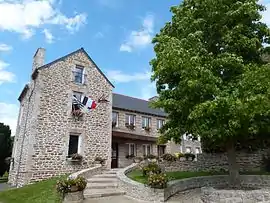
(79, 74)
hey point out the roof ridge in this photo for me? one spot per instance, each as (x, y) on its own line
(132, 97)
(74, 52)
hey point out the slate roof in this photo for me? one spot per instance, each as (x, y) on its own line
(134, 104)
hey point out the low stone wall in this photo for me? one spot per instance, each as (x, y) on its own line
(87, 173)
(143, 192)
(217, 162)
(138, 190)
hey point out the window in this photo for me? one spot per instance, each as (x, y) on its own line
(130, 119)
(78, 96)
(74, 144)
(146, 149)
(197, 150)
(131, 149)
(188, 150)
(160, 123)
(161, 150)
(115, 119)
(146, 122)
(78, 74)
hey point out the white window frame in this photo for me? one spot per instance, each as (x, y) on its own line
(145, 147)
(117, 117)
(160, 123)
(129, 119)
(187, 150)
(129, 149)
(83, 70)
(199, 150)
(144, 122)
(79, 149)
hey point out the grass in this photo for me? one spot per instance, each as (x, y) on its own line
(137, 175)
(41, 192)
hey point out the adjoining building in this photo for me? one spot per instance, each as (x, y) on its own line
(51, 128)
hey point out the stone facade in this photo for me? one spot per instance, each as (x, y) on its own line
(218, 162)
(45, 121)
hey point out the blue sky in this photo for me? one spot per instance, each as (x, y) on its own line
(116, 33)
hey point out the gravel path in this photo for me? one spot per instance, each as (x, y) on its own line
(3, 186)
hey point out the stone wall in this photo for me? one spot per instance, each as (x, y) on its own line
(217, 162)
(43, 144)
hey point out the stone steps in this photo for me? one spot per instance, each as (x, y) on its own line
(94, 193)
(107, 175)
(103, 185)
(101, 180)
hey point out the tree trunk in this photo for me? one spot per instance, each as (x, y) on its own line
(234, 178)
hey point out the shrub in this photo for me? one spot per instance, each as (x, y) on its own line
(76, 157)
(190, 155)
(71, 185)
(5, 175)
(179, 155)
(150, 156)
(266, 163)
(169, 157)
(151, 168)
(158, 181)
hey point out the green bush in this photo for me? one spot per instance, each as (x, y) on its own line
(190, 155)
(67, 185)
(5, 175)
(179, 155)
(158, 181)
(151, 168)
(150, 156)
(169, 157)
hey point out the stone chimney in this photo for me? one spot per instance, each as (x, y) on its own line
(39, 58)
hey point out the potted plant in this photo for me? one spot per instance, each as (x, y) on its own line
(99, 160)
(71, 188)
(75, 158)
(130, 126)
(77, 114)
(147, 129)
(138, 159)
(157, 180)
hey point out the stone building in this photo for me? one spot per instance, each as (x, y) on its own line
(47, 134)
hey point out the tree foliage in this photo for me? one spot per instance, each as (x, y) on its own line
(5, 147)
(210, 75)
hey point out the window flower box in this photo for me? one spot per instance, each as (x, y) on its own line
(77, 114)
(75, 158)
(130, 126)
(147, 129)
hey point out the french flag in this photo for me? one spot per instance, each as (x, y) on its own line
(89, 103)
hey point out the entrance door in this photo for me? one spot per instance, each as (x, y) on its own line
(114, 155)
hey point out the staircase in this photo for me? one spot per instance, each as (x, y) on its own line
(103, 185)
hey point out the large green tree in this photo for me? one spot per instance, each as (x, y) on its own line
(210, 75)
(5, 147)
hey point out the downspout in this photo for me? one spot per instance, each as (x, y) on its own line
(21, 151)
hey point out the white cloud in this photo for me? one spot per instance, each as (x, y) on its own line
(118, 76)
(266, 14)
(24, 16)
(148, 90)
(140, 38)
(5, 47)
(48, 36)
(5, 76)
(99, 35)
(8, 115)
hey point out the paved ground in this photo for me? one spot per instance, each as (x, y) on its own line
(3, 186)
(192, 196)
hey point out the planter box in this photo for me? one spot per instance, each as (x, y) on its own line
(74, 197)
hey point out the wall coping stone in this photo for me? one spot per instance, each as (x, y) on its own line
(87, 173)
(142, 192)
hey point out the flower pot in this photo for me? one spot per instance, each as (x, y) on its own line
(73, 197)
(73, 188)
